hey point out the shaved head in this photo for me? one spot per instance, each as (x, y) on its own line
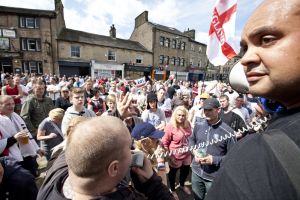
(94, 144)
(271, 53)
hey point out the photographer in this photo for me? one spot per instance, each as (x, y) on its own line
(95, 164)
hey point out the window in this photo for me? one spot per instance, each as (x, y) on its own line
(177, 61)
(32, 67)
(29, 22)
(75, 51)
(173, 61)
(174, 44)
(166, 60)
(192, 47)
(182, 62)
(31, 44)
(191, 61)
(111, 55)
(161, 59)
(199, 63)
(139, 59)
(182, 45)
(162, 41)
(200, 49)
(4, 43)
(167, 43)
(178, 44)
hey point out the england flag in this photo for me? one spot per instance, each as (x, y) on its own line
(220, 46)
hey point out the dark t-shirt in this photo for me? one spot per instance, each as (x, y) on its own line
(48, 127)
(233, 120)
(252, 170)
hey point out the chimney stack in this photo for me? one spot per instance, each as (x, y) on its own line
(112, 31)
(141, 19)
(190, 33)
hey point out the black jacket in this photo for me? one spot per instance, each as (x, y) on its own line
(252, 170)
(57, 174)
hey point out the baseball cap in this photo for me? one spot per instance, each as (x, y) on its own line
(211, 103)
(204, 96)
(144, 130)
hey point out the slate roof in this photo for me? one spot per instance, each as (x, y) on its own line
(173, 31)
(28, 12)
(90, 38)
(168, 29)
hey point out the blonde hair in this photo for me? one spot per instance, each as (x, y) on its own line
(57, 113)
(73, 122)
(111, 98)
(173, 121)
(76, 91)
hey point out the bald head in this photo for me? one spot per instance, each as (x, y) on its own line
(7, 105)
(4, 98)
(270, 52)
(95, 143)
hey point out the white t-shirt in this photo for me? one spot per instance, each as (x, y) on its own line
(154, 118)
(56, 91)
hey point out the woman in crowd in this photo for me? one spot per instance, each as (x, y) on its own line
(176, 136)
(49, 131)
(153, 114)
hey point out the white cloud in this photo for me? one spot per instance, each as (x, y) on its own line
(96, 16)
(41, 4)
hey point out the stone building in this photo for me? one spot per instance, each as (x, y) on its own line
(82, 53)
(27, 40)
(37, 41)
(174, 52)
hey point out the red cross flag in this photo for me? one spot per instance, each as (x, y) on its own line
(221, 33)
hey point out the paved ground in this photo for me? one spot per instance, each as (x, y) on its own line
(182, 195)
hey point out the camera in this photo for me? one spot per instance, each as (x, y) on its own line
(137, 159)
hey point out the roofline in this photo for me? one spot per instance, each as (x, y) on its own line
(72, 30)
(27, 11)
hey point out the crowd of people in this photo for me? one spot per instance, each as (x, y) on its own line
(113, 139)
(161, 116)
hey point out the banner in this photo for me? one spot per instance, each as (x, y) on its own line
(220, 46)
(140, 82)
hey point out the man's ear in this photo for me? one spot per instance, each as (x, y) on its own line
(113, 168)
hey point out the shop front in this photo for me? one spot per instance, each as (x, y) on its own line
(183, 76)
(195, 75)
(70, 69)
(106, 70)
(133, 72)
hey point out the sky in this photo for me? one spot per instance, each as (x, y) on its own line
(96, 16)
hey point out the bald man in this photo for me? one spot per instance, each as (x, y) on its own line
(267, 166)
(98, 157)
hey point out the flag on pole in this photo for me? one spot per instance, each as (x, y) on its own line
(220, 46)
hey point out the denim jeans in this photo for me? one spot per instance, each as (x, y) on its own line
(200, 186)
